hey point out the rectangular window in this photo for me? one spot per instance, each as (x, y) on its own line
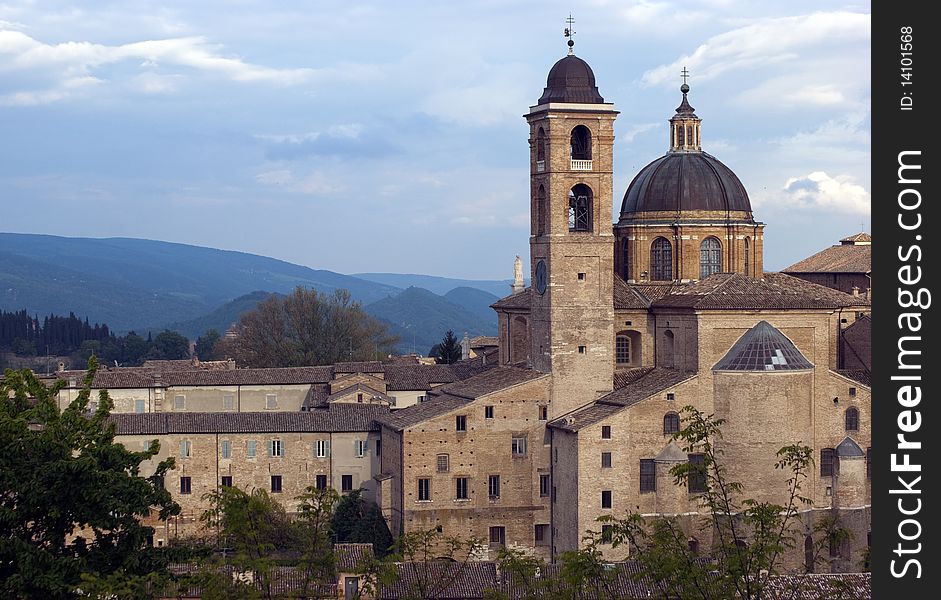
(545, 485)
(321, 482)
(868, 463)
(139, 406)
(582, 349)
(605, 460)
(378, 447)
(697, 474)
(581, 277)
(228, 402)
(271, 401)
(443, 463)
(186, 449)
(276, 484)
(519, 447)
(543, 413)
(251, 447)
(460, 488)
(226, 449)
(671, 396)
(226, 481)
(497, 536)
(493, 486)
(852, 392)
(346, 483)
(827, 462)
(648, 475)
(488, 412)
(542, 535)
(420, 399)
(460, 423)
(275, 449)
(606, 499)
(186, 485)
(179, 403)
(606, 432)
(607, 533)
(424, 489)
(361, 447)
(322, 448)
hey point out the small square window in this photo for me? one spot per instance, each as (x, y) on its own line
(271, 401)
(581, 277)
(275, 449)
(497, 536)
(543, 413)
(442, 463)
(606, 432)
(228, 402)
(322, 449)
(606, 499)
(628, 323)
(460, 423)
(488, 412)
(320, 482)
(361, 447)
(852, 392)
(582, 349)
(276, 484)
(226, 481)
(605, 460)
(139, 406)
(519, 447)
(671, 396)
(186, 485)
(179, 403)
(541, 535)
(346, 483)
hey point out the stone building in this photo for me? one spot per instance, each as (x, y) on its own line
(846, 267)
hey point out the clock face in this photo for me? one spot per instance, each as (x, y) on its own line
(541, 277)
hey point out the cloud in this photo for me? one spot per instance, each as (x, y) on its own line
(314, 184)
(635, 130)
(819, 191)
(347, 140)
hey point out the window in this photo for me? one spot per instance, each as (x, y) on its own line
(226, 449)
(276, 484)
(809, 554)
(460, 423)
(606, 499)
(581, 143)
(424, 489)
(139, 406)
(251, 448)
(420, 398)
(271, 401)
(581, 276)
(582, 349)
(696, 483)
(179, 403)
(667, 356)
(541, 211)
(544, 485)
(361, 447)
(226, 481)
(378, 447)
(852, 392)
(541, 535)
(346, 483)
(852, 419)
(275, 449)
(606, 432)
(228, 402)
(580, 208)
(680, 135)
(605, 460)
(622, 350)
(519, 447)
(747, 256)
(186, 485)
(648, 475)
(827, 460)
(442, 462)
(625, 259)
(543, 413)
(359, 398)
(186, 449)
(661, 260)
(710, 257)
(493, 486)
(607, 534)
(488, 412)
(320, 482)
(868, 463)
(497, 536)
(322, 448)
(671, 396)
(693, 545)
(460, 488)
(671, 423)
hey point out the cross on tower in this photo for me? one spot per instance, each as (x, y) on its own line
(569, 32)
(685, 74)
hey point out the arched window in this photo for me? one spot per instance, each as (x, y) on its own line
(667, 354)
(827, 462)
(748, 256)
(809, 553)
(625, 259)
(540, 145)
(689, 135)
(661, 260)
(693, 545)
(710, 257)
(541, 212)
(581, 143)
(671, 423)
(852, 419)
(622, 350)
(580, 200)
(680, 138)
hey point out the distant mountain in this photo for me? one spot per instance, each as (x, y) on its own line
(420, 318)
(219, 319)
(474, 300)
(439, 285)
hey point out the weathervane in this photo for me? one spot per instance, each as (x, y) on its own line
(569, 33)
(685, 75)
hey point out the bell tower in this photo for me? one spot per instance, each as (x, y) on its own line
(572, 242)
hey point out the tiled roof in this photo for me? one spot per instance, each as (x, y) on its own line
(372, 366)
(517, 301)
(627, 297)
(813, 586)
(653, 291)
(418, 377)
(482, 341)
(491, 381)
(774, 291)
(654, 381)
(845, 258)
(316, 396)
(763, 348)
(417, 413)
(283, 582)
(359, 388)
(442, 580)
(859, 237)
(623, 377)
(138, 377)
(187, 364)
(858, 375)
(337, 418)
(352, 557)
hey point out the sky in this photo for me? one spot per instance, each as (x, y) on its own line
(389, 137)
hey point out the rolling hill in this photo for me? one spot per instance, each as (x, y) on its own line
(438, 285)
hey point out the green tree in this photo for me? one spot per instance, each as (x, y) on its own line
(72, 499)
(357, 520)
(448, 351)
(169, 345)
(436, 561)
(307, 328)
(206, 343)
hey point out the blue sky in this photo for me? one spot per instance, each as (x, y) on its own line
(389, 136)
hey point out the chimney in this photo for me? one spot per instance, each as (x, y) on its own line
(465, 347)
(61, 366)
(856, 290)
(518, 284)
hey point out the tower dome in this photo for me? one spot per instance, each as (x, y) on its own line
(571, 80)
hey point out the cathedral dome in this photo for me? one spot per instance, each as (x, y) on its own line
(571, 80)
(685, 181)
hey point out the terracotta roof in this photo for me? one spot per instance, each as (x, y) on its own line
(858, 375)
(739, 292)
(517, 301)
(359, 388)
(845, 258)
(856, 238)
(482, 341)
(188, 364)
(372, 366)
(337, 418)
(401, 420)
(813, 586)
(442, 580)
(316, 396)
(137, 377)
(418, 377)
(352, 557)
(491, 381)
(623, 377)
(627, 297)
(652, 382)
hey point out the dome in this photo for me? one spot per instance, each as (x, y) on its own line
(571, 80)
(685, 181)
(763, 348)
